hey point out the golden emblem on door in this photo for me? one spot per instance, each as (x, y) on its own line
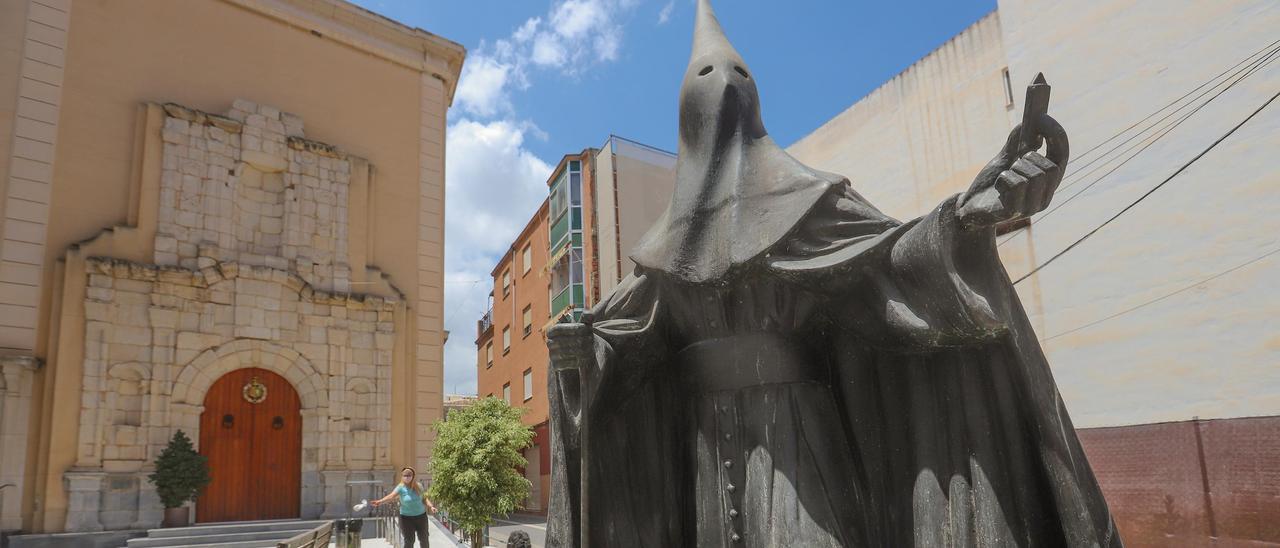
(254, 391)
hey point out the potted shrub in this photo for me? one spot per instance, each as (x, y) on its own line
(180, 474)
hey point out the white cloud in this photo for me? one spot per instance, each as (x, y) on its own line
(665, 14)
(493, 186)
(482, 86)
(575, 35)
(577, 18)
(494, 183)
(548, 50)
(527, 30)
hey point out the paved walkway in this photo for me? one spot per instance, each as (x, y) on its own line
(536, 526)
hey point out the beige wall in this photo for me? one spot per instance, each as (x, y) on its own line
(635, 185)
(371, 86)
(922, 135)
(606, 220)
(1208, 351)
(645, 179)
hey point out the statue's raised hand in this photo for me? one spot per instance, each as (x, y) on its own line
(1018, 182)
(571, 345)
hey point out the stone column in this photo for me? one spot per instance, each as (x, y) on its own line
(16, 375)
(84, 494)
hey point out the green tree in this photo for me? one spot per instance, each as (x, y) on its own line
(474, 462)
(180, 472)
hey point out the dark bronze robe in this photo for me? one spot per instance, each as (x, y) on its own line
(863, 383)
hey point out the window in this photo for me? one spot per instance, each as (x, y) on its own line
(506, 282)
(1008, 88)
(506, 393)
(528, 319)
(506, 340)
(527, 258)
(528, 384)
(488, 354)
(559, 197)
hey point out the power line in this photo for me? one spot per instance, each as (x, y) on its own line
(445, 321)
(1149, 192)
(1248, 71)
(1165, 131)
(1176, 101)
(1165, 296)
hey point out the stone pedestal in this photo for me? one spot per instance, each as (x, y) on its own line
(335, 494)
(150, 509)
(84, 495)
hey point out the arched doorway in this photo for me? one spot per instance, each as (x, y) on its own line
(251, 432)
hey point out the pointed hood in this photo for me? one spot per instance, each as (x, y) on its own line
(737, 193)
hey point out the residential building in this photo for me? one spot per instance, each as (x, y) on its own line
(601, 200)
(1158, 325)
(456, 402)
(206, 207)
(509, 341)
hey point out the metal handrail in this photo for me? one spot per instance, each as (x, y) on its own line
(454, 528)
(386, 517)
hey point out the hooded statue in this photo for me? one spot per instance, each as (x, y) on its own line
(788, 366)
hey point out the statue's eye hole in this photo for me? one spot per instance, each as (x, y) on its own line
(742, 71)
(705, 70)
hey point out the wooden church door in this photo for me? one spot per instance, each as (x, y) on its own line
(251, 432)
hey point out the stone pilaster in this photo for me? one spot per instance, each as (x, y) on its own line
(24, 210)
(16, 373)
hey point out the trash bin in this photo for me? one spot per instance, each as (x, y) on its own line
(346, 532)
(340, 533)
(354, 528)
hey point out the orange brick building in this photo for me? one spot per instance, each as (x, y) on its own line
(570, 253)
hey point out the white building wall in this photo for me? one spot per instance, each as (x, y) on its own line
(606, 216)
(646, 177)
(922, 135)
(1210, 350)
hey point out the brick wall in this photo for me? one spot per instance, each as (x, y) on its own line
(1185, 483)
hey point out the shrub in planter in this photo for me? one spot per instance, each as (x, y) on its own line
(180, 474)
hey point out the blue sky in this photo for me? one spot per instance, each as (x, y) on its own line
(544, 78)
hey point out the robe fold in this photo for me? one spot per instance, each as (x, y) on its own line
(865, 382)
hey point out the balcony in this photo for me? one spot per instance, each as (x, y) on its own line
(484, 325)
(559, 231)
(571, 297)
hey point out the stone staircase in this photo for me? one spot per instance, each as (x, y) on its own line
(240, 534)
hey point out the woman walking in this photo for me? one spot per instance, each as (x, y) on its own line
(414, 505)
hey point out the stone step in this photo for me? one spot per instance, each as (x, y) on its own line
(248, 538)
(229, 527)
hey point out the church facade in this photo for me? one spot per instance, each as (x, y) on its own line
(224, 218)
